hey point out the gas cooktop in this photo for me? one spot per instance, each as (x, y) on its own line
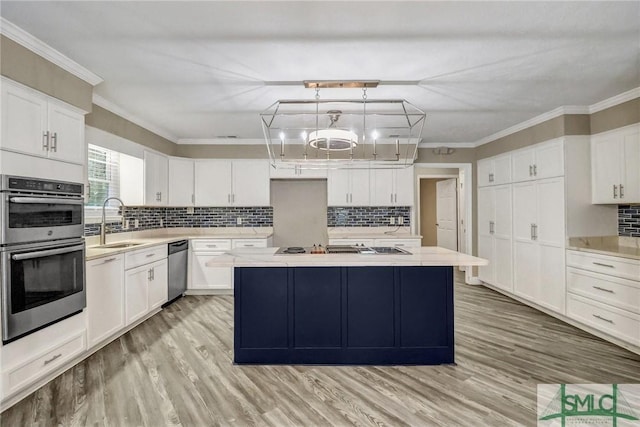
(342, 249)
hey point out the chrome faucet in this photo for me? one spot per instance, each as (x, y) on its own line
(103, 227)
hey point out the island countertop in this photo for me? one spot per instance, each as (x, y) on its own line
(422, 256)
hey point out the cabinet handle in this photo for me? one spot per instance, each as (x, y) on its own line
(351, 197)
(160, 196)
(391, 198)
(531, 232)
(603, 318)
(530, 170)
(535, 231)
(193, 198)
(621, 191)
(107, 261)
(491, 227)
(490, 177)
(395, 197)
(45, 141)
(248, 246)
(153, 274)
(54, 142)
(604, 289)
(603, 265)
(535, 170)
(212, 246)
(228, 198)
(149, 275)
(46, 362)
(615, 191)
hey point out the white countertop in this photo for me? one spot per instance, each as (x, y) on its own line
(624, 247)
(146, 241)
(423, 256)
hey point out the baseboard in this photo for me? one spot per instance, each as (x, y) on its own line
(209, 292)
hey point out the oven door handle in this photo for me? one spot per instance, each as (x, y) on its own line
(49, 252)
(46, 200)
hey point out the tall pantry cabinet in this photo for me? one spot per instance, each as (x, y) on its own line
(523, 225)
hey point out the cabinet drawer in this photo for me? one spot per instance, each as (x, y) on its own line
(618, 323)
(144, 256)
(43, 363)
(211, 244)
(613, 266)
(618, 292)
(249, 243)
(401, 243)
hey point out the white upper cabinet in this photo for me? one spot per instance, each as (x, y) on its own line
(66, 129)
(232, 183)
(348, 187)
(39, 125)
(250, 183)
(156, 171)
(181, 182)
(213, 182)
(392, 187)
(541, 161)
(494, 170)
(615, 166)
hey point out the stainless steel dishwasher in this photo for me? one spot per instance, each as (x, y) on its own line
(177, 269)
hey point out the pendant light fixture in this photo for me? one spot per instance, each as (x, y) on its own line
(342, 133)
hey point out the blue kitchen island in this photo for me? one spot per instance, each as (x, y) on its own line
(345, 309)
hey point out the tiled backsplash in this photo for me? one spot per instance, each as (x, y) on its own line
(367, 216)
(629, 220)
(150, 218)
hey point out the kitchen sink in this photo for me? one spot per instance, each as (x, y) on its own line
(119, 245)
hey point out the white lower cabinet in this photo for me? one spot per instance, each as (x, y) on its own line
(136, 285)
(145, 282)
(105, 298)
(495, 235)
(539, 239)
(145, 289)
(205, 275)
(35, 357)
(603, 292)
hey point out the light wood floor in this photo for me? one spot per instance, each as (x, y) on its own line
(175, 369)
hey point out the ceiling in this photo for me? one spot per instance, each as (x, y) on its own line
(205, 69)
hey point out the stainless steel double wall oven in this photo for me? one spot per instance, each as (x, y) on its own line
(42, 253)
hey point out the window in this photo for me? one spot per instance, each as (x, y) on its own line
(103, 176)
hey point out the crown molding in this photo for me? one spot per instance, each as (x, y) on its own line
(560, 111)
(615, 100)
(37, 46)
(116, 109)
(569, 109)
(220, 141)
